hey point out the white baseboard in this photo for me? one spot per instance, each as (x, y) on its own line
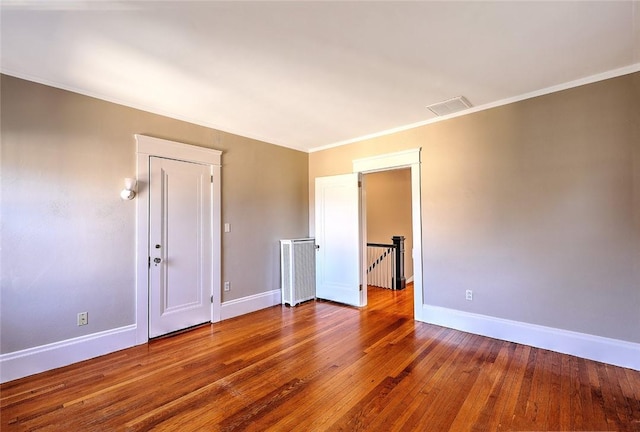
(410, 279)
(252, 303)
(612, 351)
(602, 349)
(46, 357)
(31, 361)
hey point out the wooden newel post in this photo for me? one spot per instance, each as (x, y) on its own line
(399, 281)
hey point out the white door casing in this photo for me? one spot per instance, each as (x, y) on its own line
(339, 237)
(179, 245)
(148, 147)
(404, 159)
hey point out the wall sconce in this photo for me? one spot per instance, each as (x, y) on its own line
(129, 190)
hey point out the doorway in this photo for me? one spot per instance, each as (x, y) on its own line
(388, 214)
(404, 159)
(149, 148)
(350, 192)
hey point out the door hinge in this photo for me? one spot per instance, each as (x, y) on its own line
(360, 287)
(211, 298)
(211, 179)
(359, 183)
(149, 263)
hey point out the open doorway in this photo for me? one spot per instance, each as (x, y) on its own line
(388, 215)
(410, 160)
(340, 228)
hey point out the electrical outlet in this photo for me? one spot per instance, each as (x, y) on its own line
(469, 295)
(227, 286)
(83, 318)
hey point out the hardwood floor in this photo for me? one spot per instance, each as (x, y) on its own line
(322, 366)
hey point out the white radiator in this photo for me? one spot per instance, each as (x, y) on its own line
(298, 270)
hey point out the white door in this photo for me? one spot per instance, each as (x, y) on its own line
(339, 235)
(180, 245)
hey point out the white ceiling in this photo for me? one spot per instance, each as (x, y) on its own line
(308, 75)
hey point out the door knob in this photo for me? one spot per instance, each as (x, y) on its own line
(157, 260)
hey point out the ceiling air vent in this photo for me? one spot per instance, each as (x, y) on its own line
(450, 106)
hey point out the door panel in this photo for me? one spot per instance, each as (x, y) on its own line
(180, 248)
(339, 237)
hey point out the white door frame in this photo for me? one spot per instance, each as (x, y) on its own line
(404, 159)
(147, 147)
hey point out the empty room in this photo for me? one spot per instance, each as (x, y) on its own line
(319, 215)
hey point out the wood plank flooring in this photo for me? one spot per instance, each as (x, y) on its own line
(322, 366)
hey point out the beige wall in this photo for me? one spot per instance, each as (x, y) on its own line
(67, 238)
(388, 197)
(535, 206)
